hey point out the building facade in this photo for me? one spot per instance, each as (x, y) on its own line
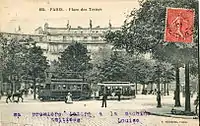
(54, 40)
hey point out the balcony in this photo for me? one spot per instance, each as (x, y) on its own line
(57, 33)
(80, 41)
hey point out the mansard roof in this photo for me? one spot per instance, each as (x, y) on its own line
(81, 28)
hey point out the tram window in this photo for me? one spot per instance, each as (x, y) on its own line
(54, 87)
(85, 87)
(78, 87)
(64, 87)
(47, 86)
(75, 87)
(59, 87)
(71, 87)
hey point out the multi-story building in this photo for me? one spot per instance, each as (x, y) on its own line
(54, 40)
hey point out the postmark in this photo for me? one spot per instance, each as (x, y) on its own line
(179, 25)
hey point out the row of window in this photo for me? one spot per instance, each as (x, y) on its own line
(85, 37)
(82, 32)
(69, 87)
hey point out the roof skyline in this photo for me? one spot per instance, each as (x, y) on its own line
(26, 14)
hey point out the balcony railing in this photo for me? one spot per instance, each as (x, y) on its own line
(80, 41)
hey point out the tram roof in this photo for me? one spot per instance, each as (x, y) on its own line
(68, 83)
(115, 83)
(67, 80)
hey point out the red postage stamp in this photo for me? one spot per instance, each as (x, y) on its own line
(179, 25)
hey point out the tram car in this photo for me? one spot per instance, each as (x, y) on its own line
(113, 88)
(58, 89)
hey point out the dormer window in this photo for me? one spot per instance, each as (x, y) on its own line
(64, 38)
(40, 39)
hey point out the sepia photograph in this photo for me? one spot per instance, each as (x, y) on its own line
(99, 63)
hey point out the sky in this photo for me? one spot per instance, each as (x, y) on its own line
(26, 14)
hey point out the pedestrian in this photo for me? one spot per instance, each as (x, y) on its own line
(9, 95)
(69, 98)
(113, 95)
(155, 92)
(104, 100)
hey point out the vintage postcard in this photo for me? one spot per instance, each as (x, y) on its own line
(99, 63)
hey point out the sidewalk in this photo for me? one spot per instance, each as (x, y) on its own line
(166, 111)
(168, 105)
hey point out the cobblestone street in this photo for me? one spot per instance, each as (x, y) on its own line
(114, 114)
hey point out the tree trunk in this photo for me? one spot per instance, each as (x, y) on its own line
(183, 91)
(136, 92)
(168, 89)
(187, 88)
(11, 84)
(165, 88)
(136, 88)
(158, 94)
(151, 86)
(34, 88)
(162, 85)
(143, 88)
(177, 91)
(1, 82)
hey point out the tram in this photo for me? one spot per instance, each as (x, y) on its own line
(113, 88)
(56, 89)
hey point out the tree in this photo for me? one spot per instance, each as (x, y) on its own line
(20, 61)
(36, 65)
(75, 58)
(114, 68)
(12, 59)
(141, 71)
(98, 59)
(135, 69)
(143, 32)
